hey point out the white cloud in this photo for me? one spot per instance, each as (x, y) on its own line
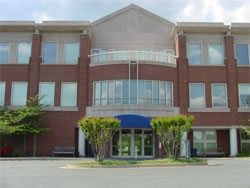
(214, 10)
(41, 16)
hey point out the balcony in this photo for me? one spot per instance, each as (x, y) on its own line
(120, 57)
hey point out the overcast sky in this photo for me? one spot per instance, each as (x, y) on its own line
(226, 11)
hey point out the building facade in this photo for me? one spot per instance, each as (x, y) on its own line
(133, 65)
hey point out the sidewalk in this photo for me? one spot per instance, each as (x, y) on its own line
(43, 158)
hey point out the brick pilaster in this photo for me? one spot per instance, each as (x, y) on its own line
(182, 67)
(34, 65)
(83, 69)
(232, 86)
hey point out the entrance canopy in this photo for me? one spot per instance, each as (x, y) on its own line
(134, 121)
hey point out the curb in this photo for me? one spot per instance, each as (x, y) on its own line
(41, 159)
(136, 165)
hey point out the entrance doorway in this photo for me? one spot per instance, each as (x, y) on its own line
(133, 143)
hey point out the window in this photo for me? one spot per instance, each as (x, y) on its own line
(194, 54)
(49, 52)
(71, 52)
(23, 52)
(245, 142)
(215, 54)
(241, 53)
(145, 55)
(133, 92)
(244, 95)
(19, 93)
(68, 94)
(197, 95)
(2, 93)
(205, 139)
(4, 52)
(47, 93)
(120, 55)
(101, 56)
(219, 95)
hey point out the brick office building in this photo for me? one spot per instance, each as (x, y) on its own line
(133, 65)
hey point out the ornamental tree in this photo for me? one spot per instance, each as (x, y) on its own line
(170, 130)
(99, 132)
(22, 122)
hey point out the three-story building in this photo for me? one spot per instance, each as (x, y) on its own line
(133, 65)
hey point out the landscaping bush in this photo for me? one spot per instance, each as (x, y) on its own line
(6, 151)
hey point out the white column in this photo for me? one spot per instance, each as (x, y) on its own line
(81, 143)
(183, 145)
(233, 142)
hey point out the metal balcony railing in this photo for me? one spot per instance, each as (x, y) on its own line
(154, 57)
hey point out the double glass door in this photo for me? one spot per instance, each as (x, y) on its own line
(135, 143)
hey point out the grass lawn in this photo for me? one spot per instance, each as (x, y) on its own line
(243, 155)
(137, 162)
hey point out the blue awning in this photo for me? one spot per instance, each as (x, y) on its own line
(134, 121)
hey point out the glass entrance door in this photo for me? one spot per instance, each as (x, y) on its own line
(148, 143)
(134, 143)
(126, 143)
(138, 143)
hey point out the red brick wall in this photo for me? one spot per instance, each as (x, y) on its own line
(223, 141)
(63, 123)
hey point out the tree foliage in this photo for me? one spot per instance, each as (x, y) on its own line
(170, 130)
(99, 132)
(23, 120)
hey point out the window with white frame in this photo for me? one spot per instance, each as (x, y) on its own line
(120, 55)
(2, 93)
(133, 92)
(4, 52)
(47, 93)
(219, 95)
(68, 94)
(145, 55)
(197, 95)
(194, 53)
(49, 52)
(101, 55)
(242, 54)
(71, 52)
(215, 54)
(19, 93)
(244, 95)
(166, 55)
(245, 143)
(204, 140)
(23, 52)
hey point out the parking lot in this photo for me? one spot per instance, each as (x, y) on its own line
(228, 173)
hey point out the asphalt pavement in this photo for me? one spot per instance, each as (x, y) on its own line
(221, 173)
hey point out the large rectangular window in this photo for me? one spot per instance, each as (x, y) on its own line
(245, 143)
(205, 141)
(4, 52)
(215, 54)
(197, 95)
(19, 93)
(68, 94)
(2, 93)
(71, 52)
(47, 93)
(23, 52)
(241, 53)
(219, 95)
(244, 95)
(133, 92)
(49, 52)
(194, 53)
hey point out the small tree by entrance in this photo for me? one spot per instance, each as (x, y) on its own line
(99, 132)
(170, 130)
